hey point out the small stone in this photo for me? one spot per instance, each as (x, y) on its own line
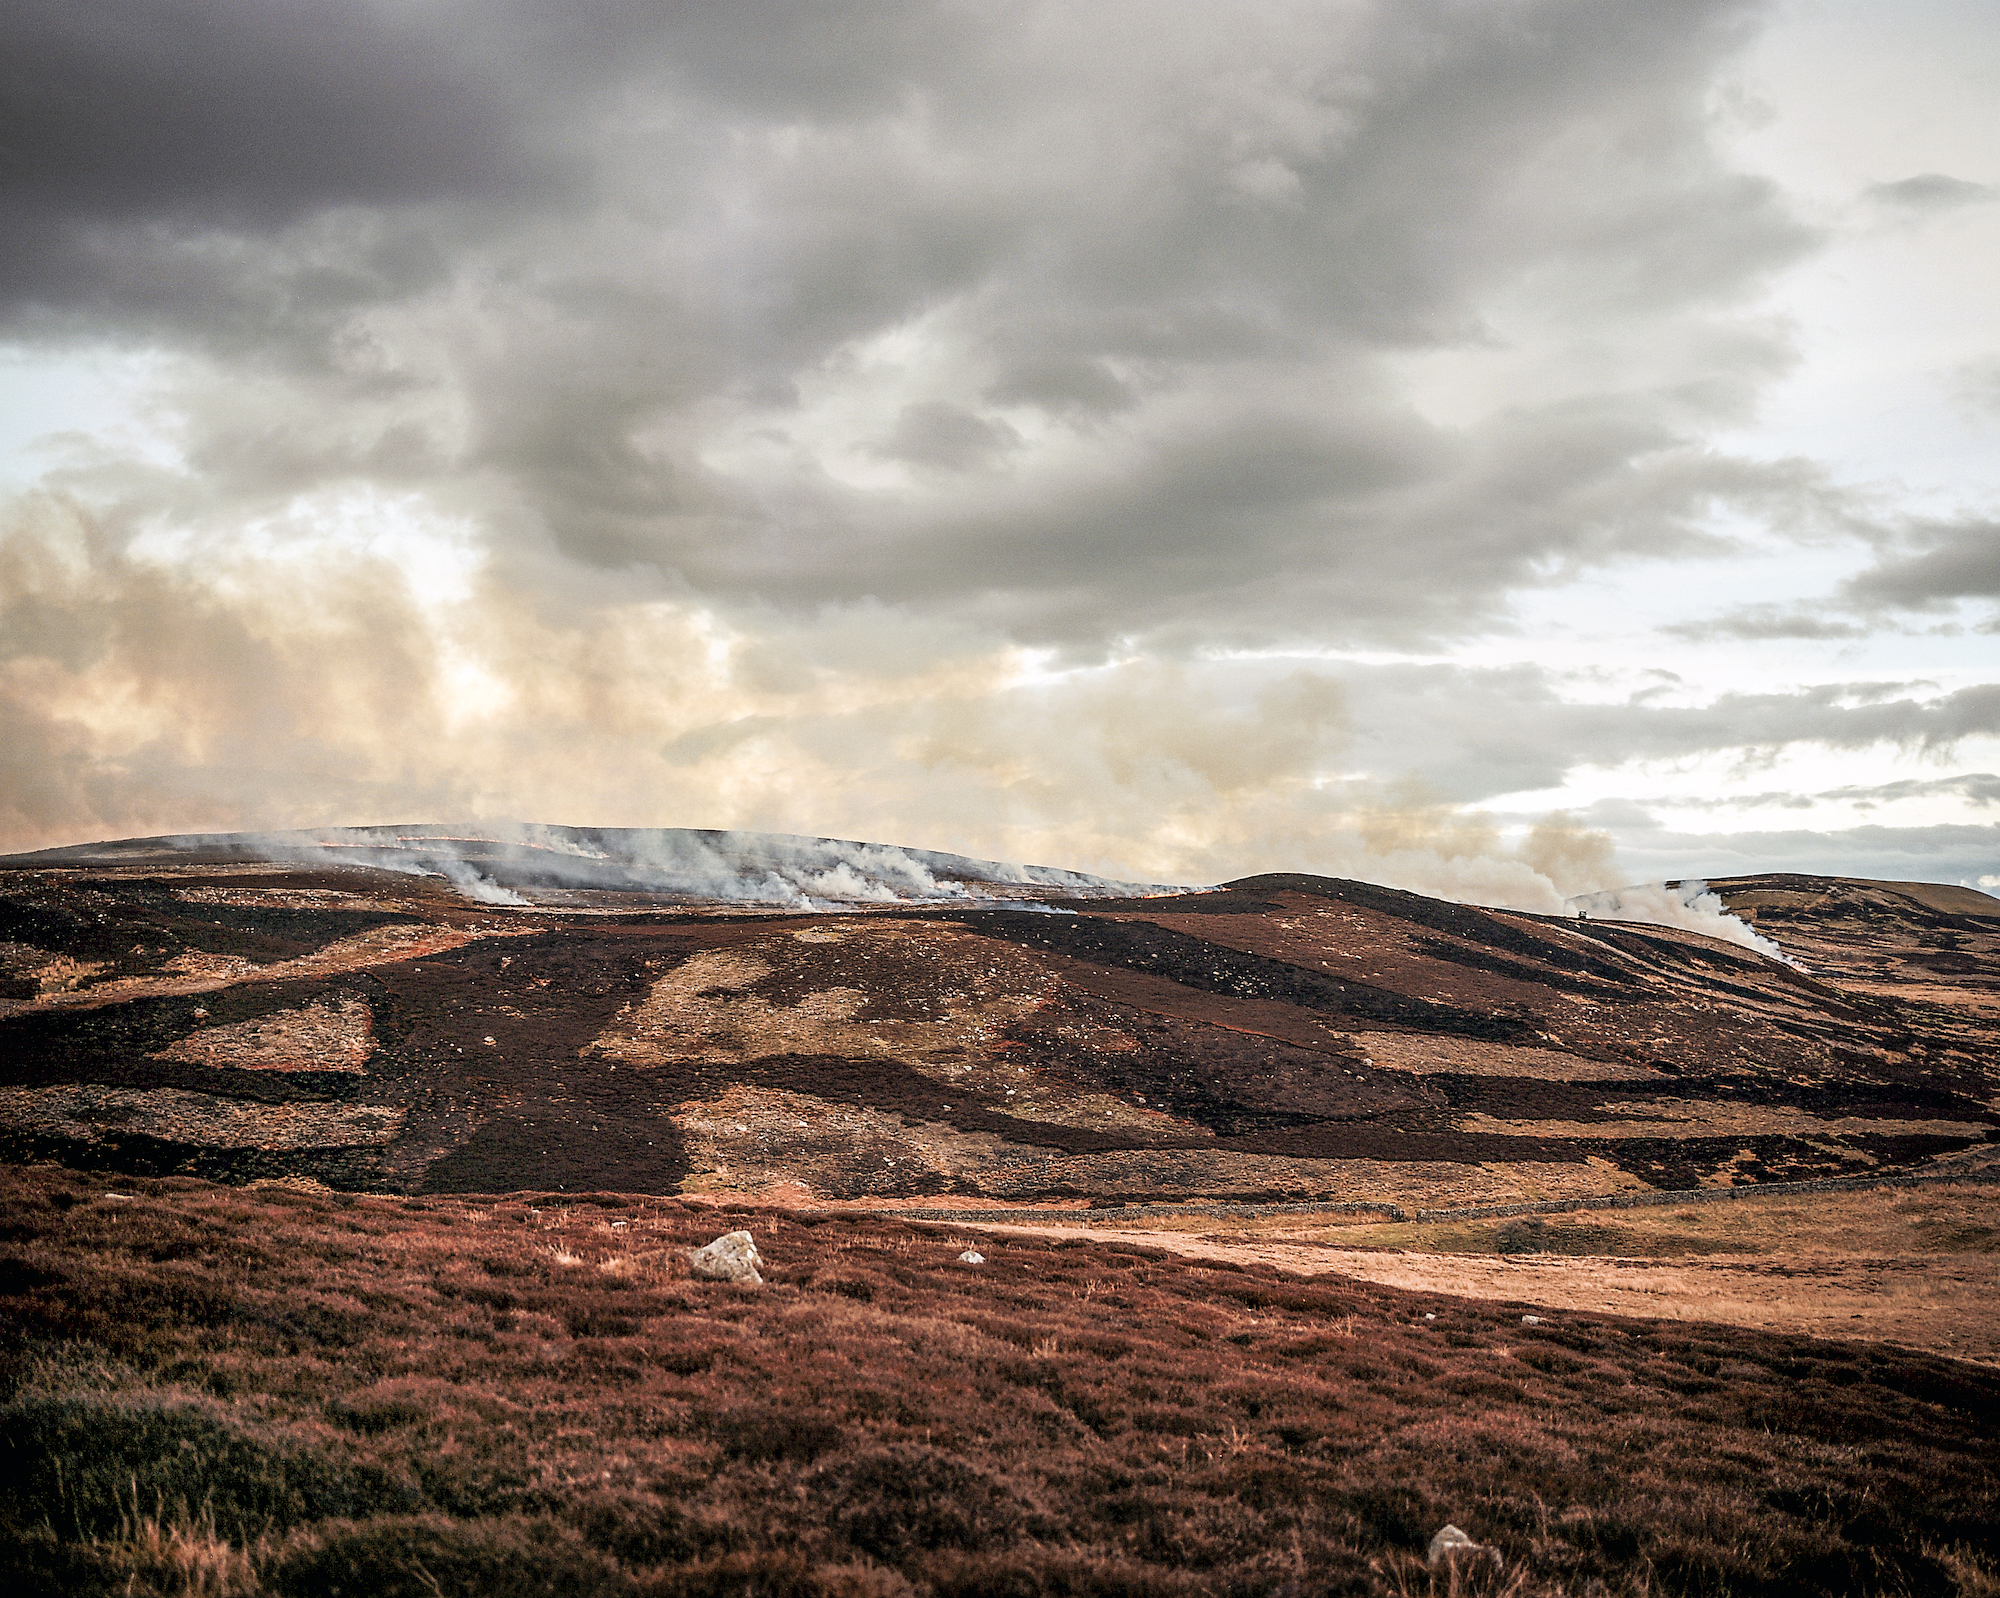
(1452, 1546)
(971, 1257)
(732, 1257)
(1531, 1320)
(1429, 1316)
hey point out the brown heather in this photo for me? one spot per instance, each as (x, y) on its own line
(271, 1391)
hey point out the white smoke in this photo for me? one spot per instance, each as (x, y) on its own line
(1687, 905)
(512, 863)
(474, 886)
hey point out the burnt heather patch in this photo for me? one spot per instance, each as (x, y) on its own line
(1286, 1038)
(272, 1391)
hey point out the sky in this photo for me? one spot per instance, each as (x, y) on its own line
(1502, 448)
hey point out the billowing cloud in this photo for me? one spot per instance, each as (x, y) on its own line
(1094, 435)
(1073, 323)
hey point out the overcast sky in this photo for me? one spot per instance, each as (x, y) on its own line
(1502, 447)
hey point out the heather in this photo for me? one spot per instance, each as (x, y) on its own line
(272, 1390)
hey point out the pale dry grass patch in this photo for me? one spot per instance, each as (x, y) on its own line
(1970, 1570)
(180, 1556)
(1912, 1266)
(1413, 1578)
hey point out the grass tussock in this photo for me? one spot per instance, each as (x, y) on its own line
(230, 1392)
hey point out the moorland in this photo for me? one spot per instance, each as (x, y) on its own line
(262, 1390)
(346, 1197)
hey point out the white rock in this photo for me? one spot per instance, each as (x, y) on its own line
(971, 1258)
(1450, 1546)
(732, 1257)
(1531, 1320)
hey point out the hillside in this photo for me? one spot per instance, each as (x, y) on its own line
(269, 1333)
(1284, 1038)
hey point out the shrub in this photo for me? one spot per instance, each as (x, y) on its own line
(645, 1531)
(893, 1501)
(765, 1432)
(432, 1557)
(84, 1463)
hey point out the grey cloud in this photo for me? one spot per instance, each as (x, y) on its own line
(243, 112)
(1195, 233)
(1061, 384)
(1946, 853)
(1473, 734)
(1769, 799)
(1923, 566)
(1760, 622)
(1813, 715)
(1977, 384)
(1978, 787)
(941, 434)
(1950, 562)
(1931, 191)
(1262, 525)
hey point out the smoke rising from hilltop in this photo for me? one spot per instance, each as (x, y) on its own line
(139, 698)
(1688, 905)
(510, 863)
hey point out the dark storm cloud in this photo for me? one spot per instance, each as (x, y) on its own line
(241, 112)
(152, 151)
(1186, 238)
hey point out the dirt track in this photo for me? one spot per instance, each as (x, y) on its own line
(1941, 1303)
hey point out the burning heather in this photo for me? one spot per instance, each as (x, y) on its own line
(519, 864)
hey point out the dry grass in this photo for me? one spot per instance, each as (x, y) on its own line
(180, 1557)
(311, 1393)
(1917, 1267)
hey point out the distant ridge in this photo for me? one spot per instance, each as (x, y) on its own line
(532, 863)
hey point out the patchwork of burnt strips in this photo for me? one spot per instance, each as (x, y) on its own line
(1285, 1038)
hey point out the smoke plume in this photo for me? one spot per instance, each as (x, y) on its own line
(1688, 905)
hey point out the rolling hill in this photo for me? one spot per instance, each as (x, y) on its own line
(432, 1010)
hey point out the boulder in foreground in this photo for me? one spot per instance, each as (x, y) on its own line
(1451, 1546)
(732, 1257)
